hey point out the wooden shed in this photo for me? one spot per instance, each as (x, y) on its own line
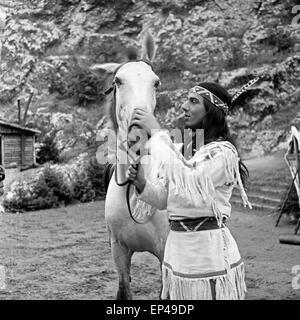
(17, 145)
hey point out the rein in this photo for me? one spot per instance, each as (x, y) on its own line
(128, 183)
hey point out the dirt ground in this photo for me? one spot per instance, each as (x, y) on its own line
(64, 254)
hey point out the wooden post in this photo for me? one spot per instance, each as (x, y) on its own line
(23, 137)
(19, 112)
(26, 108)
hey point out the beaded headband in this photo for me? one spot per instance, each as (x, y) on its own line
(209, 96)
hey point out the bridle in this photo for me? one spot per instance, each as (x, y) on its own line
(127, 182)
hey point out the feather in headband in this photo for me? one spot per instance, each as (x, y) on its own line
(245, 88)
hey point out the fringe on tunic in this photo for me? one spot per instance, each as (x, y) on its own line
(227, 287)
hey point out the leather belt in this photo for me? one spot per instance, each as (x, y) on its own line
(198, 224)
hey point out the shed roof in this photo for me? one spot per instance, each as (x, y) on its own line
(17, 126)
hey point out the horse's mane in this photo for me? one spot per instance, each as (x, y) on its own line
(111, 110)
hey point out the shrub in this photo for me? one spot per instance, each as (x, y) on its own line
(57, 185)
(48, 190)
(83, 190)
(18, 198)
(77, 81)
(52, 182)
(88, 183)
(83, 85)
(95, 175)
(48, 150)
(164, 103)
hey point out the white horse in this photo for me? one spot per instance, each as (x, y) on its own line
(134, 86)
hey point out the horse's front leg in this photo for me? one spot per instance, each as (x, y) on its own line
(122, 258)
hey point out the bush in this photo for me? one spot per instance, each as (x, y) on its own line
(89, 182)
(48, 190)
(52, 182)
(48, 151)
(83, 190)
(57, 185)
(83, 85)
(76, 81)
(19, 198)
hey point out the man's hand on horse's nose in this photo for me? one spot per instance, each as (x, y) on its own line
(145, 120)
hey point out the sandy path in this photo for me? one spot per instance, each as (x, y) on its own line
(64, 254)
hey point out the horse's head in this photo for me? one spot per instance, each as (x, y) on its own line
(134, 84)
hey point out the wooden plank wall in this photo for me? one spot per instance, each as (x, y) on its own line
(12, 149)
(13, 143)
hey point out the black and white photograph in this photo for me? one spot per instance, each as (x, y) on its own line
(150, 150)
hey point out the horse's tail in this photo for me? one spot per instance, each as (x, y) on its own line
(107, 174)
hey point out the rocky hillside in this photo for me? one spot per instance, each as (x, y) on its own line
(48, 46)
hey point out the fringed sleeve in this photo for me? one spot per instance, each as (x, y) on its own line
(155, 194)
(195, 180)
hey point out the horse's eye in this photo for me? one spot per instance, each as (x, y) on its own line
(117, 81)
(157, 84)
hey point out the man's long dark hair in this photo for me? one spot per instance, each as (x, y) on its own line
(214, 123)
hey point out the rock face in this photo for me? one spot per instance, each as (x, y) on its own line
(48, 47)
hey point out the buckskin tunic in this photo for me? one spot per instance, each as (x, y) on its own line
(199, 263)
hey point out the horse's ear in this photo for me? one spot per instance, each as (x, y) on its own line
(149, 47)
(107, 67)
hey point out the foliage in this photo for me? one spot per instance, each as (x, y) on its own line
(88, 185)
(280, 39)
(57, 185)
(163, 103)
(83, 85)
(51, 185)
(75, 80)
(48, 190)
(48, 151)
